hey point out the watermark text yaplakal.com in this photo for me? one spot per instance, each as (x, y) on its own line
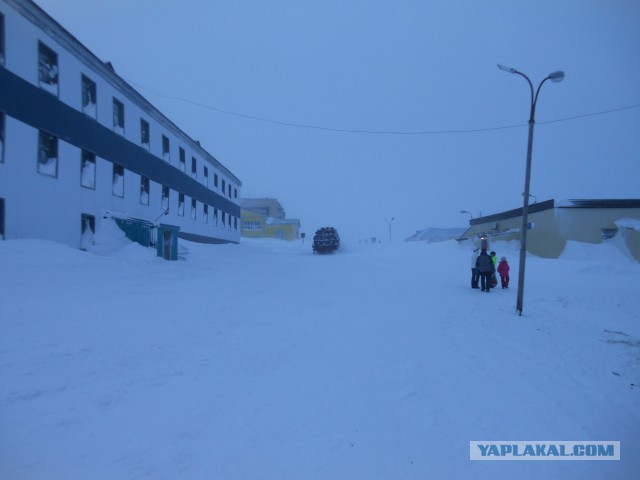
(544, 450)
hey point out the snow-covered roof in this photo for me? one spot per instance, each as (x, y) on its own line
(431, 234)
(632, 223)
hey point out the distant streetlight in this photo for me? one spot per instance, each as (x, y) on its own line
(535, 199)
(554, 77)
(389, 222)
(470, 214)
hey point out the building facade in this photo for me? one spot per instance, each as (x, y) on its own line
(265, 217)
(77, 141)
(552, 223)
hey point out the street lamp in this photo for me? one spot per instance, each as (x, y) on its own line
(470, 214)
(554, 77)
(389, 222)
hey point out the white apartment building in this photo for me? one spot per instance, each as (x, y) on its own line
(77, 141)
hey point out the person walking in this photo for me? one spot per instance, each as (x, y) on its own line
(484, 265)
(503, 270)
(475, 276)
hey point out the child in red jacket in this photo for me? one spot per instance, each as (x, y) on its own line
(503, 270)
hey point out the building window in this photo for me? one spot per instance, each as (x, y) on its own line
(235, 193)
(229, 190)
(194, 206)
(47, 69)
(88, 230)
(47, 154)
(118, 180)
(206, 177)
(235, 223)
(1, 38)
(88, 170)
(205, 213)
(215, 180)
(118, 116)
(144, 134)
(215, 217)
(2, 233)
(166, 148)
(181, 204)
(251, 225)
(1, 137)
(194, 167)
(89, 94)
(224, 219)
(224, 187)
(165, 198)
(183, 161)
(144, 190)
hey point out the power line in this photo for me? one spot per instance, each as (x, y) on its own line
(373, 132)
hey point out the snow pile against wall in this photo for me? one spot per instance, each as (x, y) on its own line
(109, 238)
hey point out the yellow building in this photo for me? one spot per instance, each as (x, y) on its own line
(552, 223)
(265, 218)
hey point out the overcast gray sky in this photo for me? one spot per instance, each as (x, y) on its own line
(388, 66)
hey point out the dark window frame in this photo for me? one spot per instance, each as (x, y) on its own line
(145, 187)
(89, 93)
(46, 143)
(194, 209)
(87, 157)
(87, 220)
(117, 168)
(166, 193)
(183, 159)
(166, 148)
(145, 134)
(48, 68)
(118, 115)
(180, 204)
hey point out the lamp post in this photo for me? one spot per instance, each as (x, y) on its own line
(470, 214)
(554, 77)
(389, 222)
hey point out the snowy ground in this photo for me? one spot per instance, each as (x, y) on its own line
(263, 361)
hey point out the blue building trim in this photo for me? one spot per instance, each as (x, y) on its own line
(39, 109)
(193, 237)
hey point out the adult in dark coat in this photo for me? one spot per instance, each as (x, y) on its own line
(484, 265)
